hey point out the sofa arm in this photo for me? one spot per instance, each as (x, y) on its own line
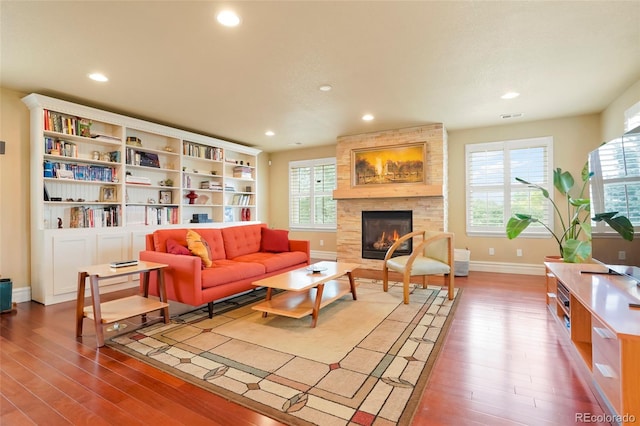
(183, 276)
(301, 245)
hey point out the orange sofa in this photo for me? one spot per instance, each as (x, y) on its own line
(239, 256)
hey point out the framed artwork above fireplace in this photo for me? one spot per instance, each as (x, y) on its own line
(389, 165)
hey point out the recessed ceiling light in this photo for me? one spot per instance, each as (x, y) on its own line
(367, 117)
(510, 95)
(96, 76)
(228, 18)
(269, 133)
(325, 88)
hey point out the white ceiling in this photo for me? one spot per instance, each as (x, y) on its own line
(407, 63)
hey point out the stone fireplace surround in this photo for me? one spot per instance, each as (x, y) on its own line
(428, 201)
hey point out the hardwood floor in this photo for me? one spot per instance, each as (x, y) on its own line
(505, 362)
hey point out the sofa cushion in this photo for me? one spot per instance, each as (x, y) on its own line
(199, 247)
(175, 247)
(160, 237)
(227, 271)
(211, 235)
(274, 240)
(241, 240)
(275, 261)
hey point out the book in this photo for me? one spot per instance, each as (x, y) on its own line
(149, 159)
(84, 127)
(123, 263)
(140, 180)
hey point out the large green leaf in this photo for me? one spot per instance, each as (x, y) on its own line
(576, 251)
(618, 223)
(563, 181)
(517, 224)
(579, 202)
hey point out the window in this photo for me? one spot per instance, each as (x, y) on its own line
(493, 194)
(615, 186)
(632, 117)
(311, 185)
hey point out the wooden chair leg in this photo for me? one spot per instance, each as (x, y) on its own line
(210, 309)
(450, 281)
(405, 284)
(385, 278)
(424, 281)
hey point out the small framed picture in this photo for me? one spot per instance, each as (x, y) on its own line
(108, 194)
(165, 197)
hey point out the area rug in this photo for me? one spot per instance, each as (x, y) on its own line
(367, 360)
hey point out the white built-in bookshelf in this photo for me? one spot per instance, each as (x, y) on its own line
(107, 180)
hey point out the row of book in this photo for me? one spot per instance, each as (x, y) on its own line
(142, 158)
(67, 124)
(152, 215)
(202, 151)
(94, 217)
(54, 146)
(242, 200)
(84, 172)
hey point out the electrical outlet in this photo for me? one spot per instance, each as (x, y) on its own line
(519, 252)
(491, 251)
(622, 255)
(321, 243)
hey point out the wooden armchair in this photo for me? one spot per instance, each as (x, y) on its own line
(431, 255)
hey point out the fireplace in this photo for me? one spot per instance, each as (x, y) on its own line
(380, 229)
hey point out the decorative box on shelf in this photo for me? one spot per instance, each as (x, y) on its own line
(242, 172)
(201, 218)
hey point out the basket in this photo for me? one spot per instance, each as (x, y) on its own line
(461, 262)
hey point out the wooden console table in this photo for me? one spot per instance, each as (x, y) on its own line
(593, 307)
(116, 310)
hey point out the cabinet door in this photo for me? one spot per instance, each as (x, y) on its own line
(70, 252)
(606, 362)
(112, 247)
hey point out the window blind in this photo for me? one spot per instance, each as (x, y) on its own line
(493, 194)
(311, 185)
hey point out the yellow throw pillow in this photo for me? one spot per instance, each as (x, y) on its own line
(199, 247)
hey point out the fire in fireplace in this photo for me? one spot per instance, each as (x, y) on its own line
(380, 229)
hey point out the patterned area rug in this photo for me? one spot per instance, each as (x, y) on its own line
(367, 361)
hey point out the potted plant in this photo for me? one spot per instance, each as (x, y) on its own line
(574, 236)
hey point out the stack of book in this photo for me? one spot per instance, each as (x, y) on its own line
(212, 185)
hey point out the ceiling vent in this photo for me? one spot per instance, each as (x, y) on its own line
(513, 115)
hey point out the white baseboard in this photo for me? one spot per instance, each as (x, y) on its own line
(324, 255)
(508, 268)
(21, 294)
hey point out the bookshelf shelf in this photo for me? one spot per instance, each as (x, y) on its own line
(82, 154)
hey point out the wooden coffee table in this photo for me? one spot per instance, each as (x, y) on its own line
(306, 291)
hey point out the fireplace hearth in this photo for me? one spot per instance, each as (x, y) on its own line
(380, 229)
